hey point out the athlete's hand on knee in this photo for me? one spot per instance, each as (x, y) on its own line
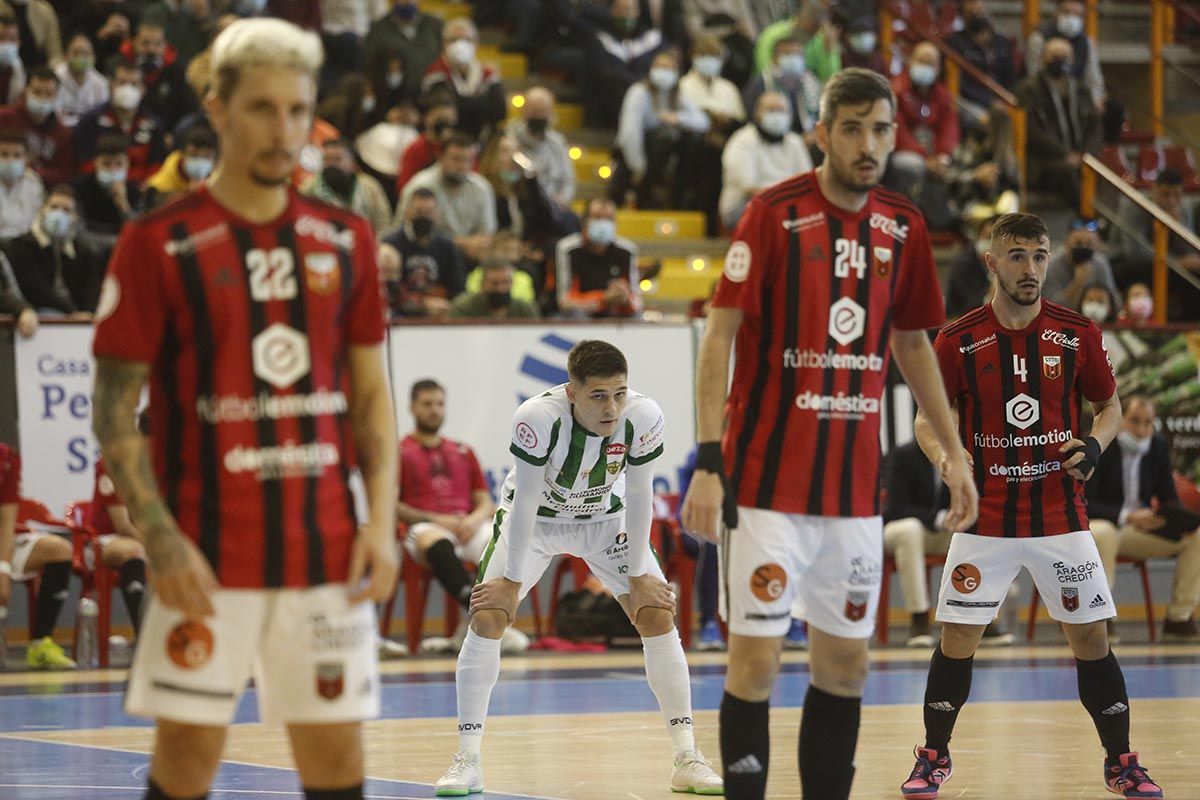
(647, 590)
(964, 497)
(373, 566)
(499, 594)
(702, 506)
(182, 577)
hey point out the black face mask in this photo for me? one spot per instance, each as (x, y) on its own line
(422, 227)
(440, 129)
(537, 126)
(498, 299)
(976, 25)
(339, 181)
(1081, 254)
(1058, 68)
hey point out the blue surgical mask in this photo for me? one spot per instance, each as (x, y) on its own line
(1133, 443)
(395, 80)
(663, 78)
(792, 65)
(12, 170)
(776, 123)
(57, 223)
(863, 43)
(10, 52)
(708, 66)
(198, 168)
(1070, 25)
(922, 75)
(38, 107)
(601, 231)
(109, 177)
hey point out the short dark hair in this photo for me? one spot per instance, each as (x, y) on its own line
(14, 136)
(422, 194)
(42, 74)
(63, 190)
(592, 358)
(1019, 226)
(112, 144)
(200, 136)
(437, 97)
(1169, 177)
(425, 385)
(118, 63)
(1137, 397)
(458, 139)
(854, 86)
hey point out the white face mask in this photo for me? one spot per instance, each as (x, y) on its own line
(776, 123)
(461, 51)
(663, 78)
(1140, 307)
(395, 80)
(1095, 310)
(863, 43)
(197, 167)
(368, 103)
(1132, 443)
(708, 66)
(922, 75)
(57, 223)
(127, 97)
(792, 64)
(110, 177)
(10, 52)
(1070, 25)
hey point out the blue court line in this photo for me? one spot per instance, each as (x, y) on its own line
(98, 773)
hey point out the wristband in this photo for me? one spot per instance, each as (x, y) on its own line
(1091, 455)
(6, 568)
(709, 458)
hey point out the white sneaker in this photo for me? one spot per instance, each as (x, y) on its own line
(389, 648)
(464, 777)
(694, 775)
(441, 645)
(513, 641)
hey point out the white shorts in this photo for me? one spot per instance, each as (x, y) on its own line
(470, 550)
(22, 549)
(1066, 570)
(824, 570)
(602, 544)
(311, 654)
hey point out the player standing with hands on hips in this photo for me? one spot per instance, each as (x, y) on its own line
(1017, 371)
(256, 317)
(827, 276)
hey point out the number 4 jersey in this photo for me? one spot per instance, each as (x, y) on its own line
(246, 329)
(584, 472)
(1018, 395)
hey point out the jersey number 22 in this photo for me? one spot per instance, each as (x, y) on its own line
(271, 274)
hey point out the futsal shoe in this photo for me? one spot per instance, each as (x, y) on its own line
(928, 775)
(710, 637)
(46, 654)
(464, 777)
(694, 775)
(797, 636)
(513, 641)
(1127, 778)
(1180, 632)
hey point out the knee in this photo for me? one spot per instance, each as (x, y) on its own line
(489, 623)
(122, 551)
(654, 622)
(54, 548)
(960, 641)
(751, 675)
(1090, 642)
(905, 536)
(844, 676)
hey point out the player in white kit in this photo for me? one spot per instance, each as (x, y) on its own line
(582, 485)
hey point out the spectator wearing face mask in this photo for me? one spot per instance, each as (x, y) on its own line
(969, 281)
(41, 39)
(54, 273)
(658, 139)
(185, 169)
(789, 75)
(1139, 306)
(49, 141)
(984, 48)
(185, 24)
(1062, 123)
(528, 274)
(341, 183)
(860, 44)
(80, 86)
(722, 102)
(545, 147)
(405, 29)
(123, 113)
(21, 189)
(760, 154)
(1084, 63)
(1096, 303)
(494, 299)
(1079, 265)
(619, 55)
(1131, 480)
(927, 132)
(597, 271)
(813, 28)
(422, 269)
(12, 71)
(439, 118)
(107, 198)
(465, 200)
(166, 91)
(476, 86)
(1132, 258)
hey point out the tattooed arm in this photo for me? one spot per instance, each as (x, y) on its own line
(182, 576)
(374, 425)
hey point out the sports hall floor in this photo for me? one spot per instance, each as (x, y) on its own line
(585, 727)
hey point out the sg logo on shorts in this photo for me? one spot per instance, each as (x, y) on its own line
(768, 582)
(965, 578)
(190, 644)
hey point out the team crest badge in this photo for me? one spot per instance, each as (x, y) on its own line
(331, 679)
(856, 605)
(321, 273)
(613, 467)
(1070, 598)
(1052, 367)
(883, 261)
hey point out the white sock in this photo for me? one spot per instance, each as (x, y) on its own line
(474, 678)
(667, 674)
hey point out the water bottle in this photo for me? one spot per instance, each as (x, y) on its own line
(3, 637)
(85, 648)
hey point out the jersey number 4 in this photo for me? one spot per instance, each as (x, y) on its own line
(1019, 368)
(850, 255)
(272, 274)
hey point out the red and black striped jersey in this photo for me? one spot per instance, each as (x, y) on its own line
(1019, 394)
(821, 289)
(247, 329)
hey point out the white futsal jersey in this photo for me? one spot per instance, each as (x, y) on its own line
(584, 473)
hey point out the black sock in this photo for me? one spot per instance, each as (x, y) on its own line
(1102, 692)
(946, 692)
(449, 571)
(56, 576)
(133, 586)
(745, 747)
(155, 792)
(349, 793)
(828, 738)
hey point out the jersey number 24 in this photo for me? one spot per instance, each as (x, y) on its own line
(849, 255)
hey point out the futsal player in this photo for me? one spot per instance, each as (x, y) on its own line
(255, 315)
(828, 276)
(1017, 370)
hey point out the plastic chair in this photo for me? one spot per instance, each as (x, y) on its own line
(885, 582)
(1148, 598)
